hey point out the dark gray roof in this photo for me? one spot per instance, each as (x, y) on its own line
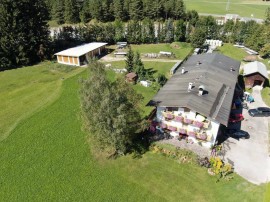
(213, 71)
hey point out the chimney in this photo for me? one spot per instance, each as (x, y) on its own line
(201, 90)
(183, 70)
(198, 63)
(190, 86)
(231, 69)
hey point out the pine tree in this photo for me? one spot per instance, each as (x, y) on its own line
(267, 16)
(119, 27)
(85, 13)
(71, 12)
(169, 36)
(178, 10)
(96, 10)
(136, 10)
(138, 66)
(58, 12)
(134, 32)
(24, 29)
(180, 31)
(107, 10)
(130, 60)
(119, 12)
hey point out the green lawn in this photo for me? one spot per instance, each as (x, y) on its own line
(46, 158)
(181, 50)
(243, 8)
(157, 67)
(232, 51)
(23, 91)
(266, 95)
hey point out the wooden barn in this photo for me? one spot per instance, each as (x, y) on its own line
(255, 73)
(80, 55)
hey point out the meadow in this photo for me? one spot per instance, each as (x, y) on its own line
(46, 157)
(180, 49)
(244, 8)
(26, 90)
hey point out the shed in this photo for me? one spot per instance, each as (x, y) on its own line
(131, 77)
(80, 55)
(255, 73)
(250, 58)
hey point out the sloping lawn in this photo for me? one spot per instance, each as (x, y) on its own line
(232, 51)
(26, 90)
(46, 158)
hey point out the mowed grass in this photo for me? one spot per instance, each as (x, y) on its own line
(266, 96)
(232, 51)
(156, 67)
(47, 158)
(25, 90)
(244, 8)
(181, 50)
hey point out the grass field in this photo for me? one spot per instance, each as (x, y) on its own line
(181, 50)
(243, 8)
(233, 52)
(25, 90)
(157, 67)
(46, 158)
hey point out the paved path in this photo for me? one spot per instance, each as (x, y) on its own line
(251, 156)
(199, 150)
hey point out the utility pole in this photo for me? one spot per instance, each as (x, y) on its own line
(228, 5)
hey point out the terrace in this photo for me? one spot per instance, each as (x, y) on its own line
(184, 123)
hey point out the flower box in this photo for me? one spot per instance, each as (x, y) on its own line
(172, 128)
(202, 136)
(179, 118)
(183, 131)
(188, 121)
(169, 116)
(192, 134)
(198, 124)
(163, 125)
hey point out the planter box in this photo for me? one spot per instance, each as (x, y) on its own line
(179, 118)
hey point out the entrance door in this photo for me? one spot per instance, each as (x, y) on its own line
(257, 83)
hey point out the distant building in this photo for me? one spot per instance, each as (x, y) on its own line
(80, 55)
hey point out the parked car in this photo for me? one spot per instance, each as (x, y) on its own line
(238, 134)
(259, 112)
(236, 118)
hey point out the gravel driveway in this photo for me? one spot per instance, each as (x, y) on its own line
(251, 156)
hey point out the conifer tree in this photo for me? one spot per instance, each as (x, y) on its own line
(119, 12)
(71, 11)
(136, 10)
(130, 60)
(58, 12)
(180, 31)
(24, 32)
(85, 13)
